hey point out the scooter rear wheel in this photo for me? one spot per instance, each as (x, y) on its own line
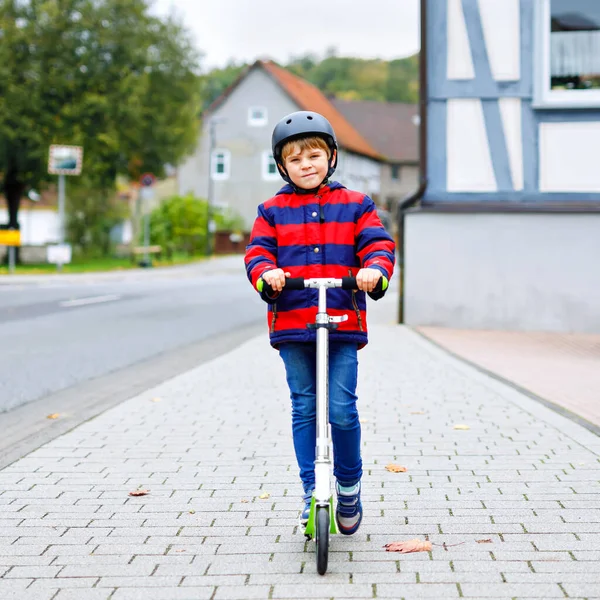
(322, 538)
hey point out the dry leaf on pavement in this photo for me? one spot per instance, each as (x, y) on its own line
(139, 493)
(53, 416)
(415, 545)
(461, 426)
(417, 412)
(395, 468)
(488, 541)
(244, 501)
(265, 496)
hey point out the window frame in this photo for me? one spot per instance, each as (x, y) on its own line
(543, 96)
(215, 176)
(253, 122)
(267, 157)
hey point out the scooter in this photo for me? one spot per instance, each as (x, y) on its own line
(322, 521)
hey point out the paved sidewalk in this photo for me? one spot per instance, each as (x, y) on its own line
(512, 504)
(563, 369)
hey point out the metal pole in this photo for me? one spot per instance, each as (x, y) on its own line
(61, 214)
(61, 208)
(147, 232)
(211, 147)
(322, 451)
(11, 259)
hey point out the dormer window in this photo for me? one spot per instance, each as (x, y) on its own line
(257, 116)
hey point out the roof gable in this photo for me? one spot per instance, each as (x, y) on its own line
(307, 97)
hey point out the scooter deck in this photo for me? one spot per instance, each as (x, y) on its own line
(309, 532)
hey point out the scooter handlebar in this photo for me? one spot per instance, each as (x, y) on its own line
(298, 283)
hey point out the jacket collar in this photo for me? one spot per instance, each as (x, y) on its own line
(332, 185)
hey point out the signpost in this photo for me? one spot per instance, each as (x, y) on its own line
(12, 239)
(63, 160)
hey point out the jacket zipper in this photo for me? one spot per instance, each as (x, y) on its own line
(355, 304)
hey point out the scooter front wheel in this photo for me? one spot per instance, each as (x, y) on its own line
(322, 538)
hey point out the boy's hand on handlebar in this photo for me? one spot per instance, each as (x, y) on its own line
(366, 279)
(275, 278)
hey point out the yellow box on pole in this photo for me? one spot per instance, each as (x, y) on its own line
(10, 237)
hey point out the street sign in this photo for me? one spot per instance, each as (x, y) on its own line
(65, 160)
(147, 193)
(10, 237)
(58, 254)
(147, 180)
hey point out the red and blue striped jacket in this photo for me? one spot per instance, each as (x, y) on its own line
(332, 233)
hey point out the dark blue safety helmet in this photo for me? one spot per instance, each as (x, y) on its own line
(301, 124)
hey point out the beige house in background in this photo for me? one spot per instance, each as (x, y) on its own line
(242, 171)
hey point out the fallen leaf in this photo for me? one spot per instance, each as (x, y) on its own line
(417, 412)
(53, 416)
(265, 496)
(192, 512)
(395, 468)
(244, 501)
(156, 399)
(415, 545)
(139, 493)
(484, 541)
(363, 420)
(462, 426)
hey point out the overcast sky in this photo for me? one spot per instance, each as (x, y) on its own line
(244, 30)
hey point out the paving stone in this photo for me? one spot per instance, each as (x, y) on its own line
(193, 537)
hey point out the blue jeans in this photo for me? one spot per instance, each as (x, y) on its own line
(300, 365)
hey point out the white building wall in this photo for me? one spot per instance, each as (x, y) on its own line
(468, 150)
(460, 59)
(569, 156)
(501, 22)
(518, 271)
(358, 173)
(38, 227)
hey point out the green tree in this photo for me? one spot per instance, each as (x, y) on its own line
(104, 74)
(403, 80)
(92, 214)
(179, 225)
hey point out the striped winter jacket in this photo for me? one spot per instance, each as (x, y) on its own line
(332, 233)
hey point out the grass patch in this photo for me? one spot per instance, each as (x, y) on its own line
(91, 265)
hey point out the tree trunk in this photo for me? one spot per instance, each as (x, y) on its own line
(13, 191)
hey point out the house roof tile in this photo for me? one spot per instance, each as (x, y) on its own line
(389, 126)
(308, 97)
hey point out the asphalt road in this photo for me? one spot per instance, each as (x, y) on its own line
(57, 332)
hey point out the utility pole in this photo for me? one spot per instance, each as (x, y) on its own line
(212, 144)
(211, 147)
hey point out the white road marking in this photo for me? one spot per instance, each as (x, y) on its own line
(92, 300)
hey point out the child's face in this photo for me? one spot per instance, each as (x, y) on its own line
(307, 168)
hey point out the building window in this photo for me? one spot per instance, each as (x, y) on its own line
(269, 168)
(396, 172)
(220, 164)
(257, 116)
(568, 53)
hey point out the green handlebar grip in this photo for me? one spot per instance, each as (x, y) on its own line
(260, 284)
(384, 283)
